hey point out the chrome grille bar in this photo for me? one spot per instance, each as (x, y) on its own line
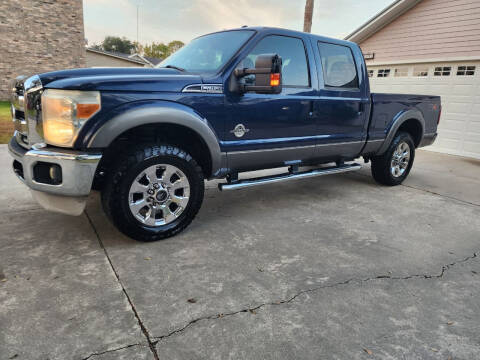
(33, 114)
(26, 109)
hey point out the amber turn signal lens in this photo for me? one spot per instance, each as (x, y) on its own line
(85, 111)
(275, 79)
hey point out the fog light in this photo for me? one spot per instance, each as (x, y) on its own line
(55, 173)
(47, 173)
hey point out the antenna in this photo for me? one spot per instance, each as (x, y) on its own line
(138, 7)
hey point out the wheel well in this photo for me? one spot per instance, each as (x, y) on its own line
(414, 128)
(173, 134)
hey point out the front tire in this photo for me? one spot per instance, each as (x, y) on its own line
(393, 167)
(153, 192)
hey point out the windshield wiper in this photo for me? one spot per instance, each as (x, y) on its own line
(175, 67)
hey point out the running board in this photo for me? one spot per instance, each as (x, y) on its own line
(288, 176)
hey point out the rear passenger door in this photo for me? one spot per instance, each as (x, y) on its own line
(277, 128)
(342, 103)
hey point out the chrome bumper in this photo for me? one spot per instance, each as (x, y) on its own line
(77, 173)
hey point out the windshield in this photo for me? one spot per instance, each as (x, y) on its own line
(209, 53)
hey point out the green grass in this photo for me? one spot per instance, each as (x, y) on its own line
(5, 110)
(5, 117)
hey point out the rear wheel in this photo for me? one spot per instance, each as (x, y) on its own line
(393, 167)
(153, 192)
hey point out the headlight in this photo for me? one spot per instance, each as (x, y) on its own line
(64, 112)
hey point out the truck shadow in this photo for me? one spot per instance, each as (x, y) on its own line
(290, 201)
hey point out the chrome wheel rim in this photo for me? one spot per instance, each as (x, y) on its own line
(159, 195)
(400, 160)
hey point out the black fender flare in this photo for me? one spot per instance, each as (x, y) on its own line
(160, 112)
(399, 119)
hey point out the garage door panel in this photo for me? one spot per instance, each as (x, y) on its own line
(472, 132)
(473, 127)
(442, 90)
(458, 107)
(450, 134)
(452, 125)
(447, 144)
(471, 147)
(464, 89)
(465, 99)
(419, 89)
(459, 129)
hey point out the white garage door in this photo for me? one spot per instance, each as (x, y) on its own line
(459, 86)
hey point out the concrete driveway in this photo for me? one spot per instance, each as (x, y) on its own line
(334, 267)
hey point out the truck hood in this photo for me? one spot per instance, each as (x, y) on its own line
(119, 79)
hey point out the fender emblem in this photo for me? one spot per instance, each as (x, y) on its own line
(239, 130)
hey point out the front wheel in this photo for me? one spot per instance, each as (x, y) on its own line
(153, 192)
(394, 165)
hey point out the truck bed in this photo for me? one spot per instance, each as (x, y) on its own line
(386, 108)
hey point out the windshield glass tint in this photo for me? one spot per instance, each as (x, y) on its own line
(209, 53)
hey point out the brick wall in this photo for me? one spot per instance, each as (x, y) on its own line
(6, 127)
(38, 36)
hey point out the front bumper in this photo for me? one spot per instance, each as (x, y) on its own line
(68, 191)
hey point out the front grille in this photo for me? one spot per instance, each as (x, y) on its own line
(26, 111)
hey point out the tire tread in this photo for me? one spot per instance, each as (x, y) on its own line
(111, 202)
(381, 164)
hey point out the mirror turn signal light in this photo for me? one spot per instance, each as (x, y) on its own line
(275, 79)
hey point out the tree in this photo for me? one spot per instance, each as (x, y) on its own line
(174, 46)
(307, 21)
(117, 44)
(123, 45)
(156, 50)
(160, 50)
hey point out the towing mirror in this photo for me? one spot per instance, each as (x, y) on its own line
(268, 76)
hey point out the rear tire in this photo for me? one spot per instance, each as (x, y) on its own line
(153, 192)
(393, 167)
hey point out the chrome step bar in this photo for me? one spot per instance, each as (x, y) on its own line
(288, 176)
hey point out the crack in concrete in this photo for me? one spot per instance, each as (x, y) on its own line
(111, 350)
(445, 268)
(145, 332)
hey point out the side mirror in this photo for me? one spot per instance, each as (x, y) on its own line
(268, 76)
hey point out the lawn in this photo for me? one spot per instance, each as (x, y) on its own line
(6, 125)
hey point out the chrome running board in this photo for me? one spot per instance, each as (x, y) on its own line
(288, 176)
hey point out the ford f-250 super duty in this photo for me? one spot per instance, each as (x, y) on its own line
(231, 101)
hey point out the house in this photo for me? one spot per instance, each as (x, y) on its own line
(39, 36)
(430, 47)
(102, 58)
(148, 59)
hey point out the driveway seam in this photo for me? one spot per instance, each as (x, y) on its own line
(441, 195)
(427, 191)
(445, 268)
(151, 344)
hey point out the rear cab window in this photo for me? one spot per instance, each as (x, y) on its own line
(295, 70)
(338, 65)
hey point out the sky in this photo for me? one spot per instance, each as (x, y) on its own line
(167, 20)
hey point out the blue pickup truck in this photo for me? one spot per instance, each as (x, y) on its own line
(228, 102)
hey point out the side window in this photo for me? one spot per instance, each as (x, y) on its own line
(338, 66)
(294, 60)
